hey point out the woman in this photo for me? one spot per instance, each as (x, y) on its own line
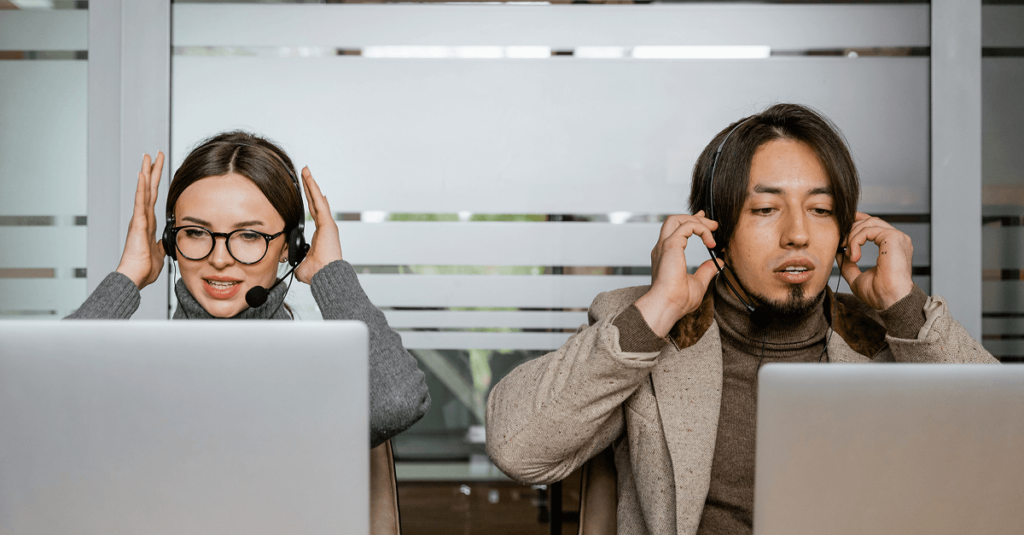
(234, 212)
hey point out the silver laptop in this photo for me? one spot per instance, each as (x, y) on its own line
(183, 427)
(890, 449)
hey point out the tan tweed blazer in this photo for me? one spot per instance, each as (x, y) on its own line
(552, 414)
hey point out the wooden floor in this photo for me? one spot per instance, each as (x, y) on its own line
(491, 508)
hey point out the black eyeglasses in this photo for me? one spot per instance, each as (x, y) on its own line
(247, 246)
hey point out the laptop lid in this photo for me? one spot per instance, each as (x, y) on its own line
(889, 448)
(183, 427)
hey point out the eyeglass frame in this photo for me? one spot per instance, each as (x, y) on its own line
(227, 240)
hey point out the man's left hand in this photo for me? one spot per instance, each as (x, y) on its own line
(890, 280)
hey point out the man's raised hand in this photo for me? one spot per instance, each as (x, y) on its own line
(674, 292)
(890, 280)
(143, 256)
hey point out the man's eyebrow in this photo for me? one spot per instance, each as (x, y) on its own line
(196, 220)
(252, 223)
(769, 189)
(772, 190)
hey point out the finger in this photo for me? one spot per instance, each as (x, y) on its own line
(850, 271)
(880, 236)
(145, 163)
(156, 172)
(322, 208)
(705, 273)
(673, 222)
(140, 197)
(691, 228)
(306, 177)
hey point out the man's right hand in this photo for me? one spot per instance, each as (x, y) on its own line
(674, 292)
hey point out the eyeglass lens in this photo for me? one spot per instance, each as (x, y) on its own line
(244, 245)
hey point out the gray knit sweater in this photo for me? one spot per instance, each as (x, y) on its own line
(398, 389)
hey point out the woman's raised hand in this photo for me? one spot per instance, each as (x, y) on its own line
(326, 246)
(143, 256)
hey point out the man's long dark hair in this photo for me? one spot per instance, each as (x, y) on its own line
(732, 174)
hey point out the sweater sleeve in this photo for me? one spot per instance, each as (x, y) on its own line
(116, 298)
(398, 388)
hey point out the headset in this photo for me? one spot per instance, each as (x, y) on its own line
(759, 315)
(297, 246)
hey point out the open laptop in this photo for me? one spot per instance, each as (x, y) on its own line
(183, 427)
(890, 449)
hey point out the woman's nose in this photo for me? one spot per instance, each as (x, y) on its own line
(220, 257)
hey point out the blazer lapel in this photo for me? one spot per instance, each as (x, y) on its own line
(688, 386)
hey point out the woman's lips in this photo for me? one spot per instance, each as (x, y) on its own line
(221, 289)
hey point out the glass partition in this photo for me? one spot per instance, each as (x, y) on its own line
(43, 68)
(1002, 75)
(494, 167)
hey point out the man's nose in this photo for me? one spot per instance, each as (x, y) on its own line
(794, 232)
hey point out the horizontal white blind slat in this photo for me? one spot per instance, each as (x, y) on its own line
(791, 27)
(43, 137)
(44, 30)
(534, 244)
(478, 135)
(470, 340)
(62, 295)
(43, 247)
(519, 291)
(399, 319)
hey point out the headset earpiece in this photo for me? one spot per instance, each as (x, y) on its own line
(170, 239)
(297, 246)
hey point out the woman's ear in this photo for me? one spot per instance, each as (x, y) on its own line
(284, 254)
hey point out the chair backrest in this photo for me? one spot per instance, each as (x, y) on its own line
(599, 495)
(384, 517)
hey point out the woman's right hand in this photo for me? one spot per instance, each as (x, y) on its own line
(143, 256)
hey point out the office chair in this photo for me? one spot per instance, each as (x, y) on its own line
(384, 516)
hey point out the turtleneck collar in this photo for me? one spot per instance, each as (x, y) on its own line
(189, 308)
(780, 338)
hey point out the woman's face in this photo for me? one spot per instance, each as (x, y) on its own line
(223, 204)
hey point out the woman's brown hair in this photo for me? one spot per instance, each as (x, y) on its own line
(732, 173)
(254, 157)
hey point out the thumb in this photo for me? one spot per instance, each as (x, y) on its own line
(849, 271)
(705, 273)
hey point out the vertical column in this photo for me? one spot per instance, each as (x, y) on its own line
(956, 158)
(129, 114)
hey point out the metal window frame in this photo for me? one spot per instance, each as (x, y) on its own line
(129, 114)
(956, 158)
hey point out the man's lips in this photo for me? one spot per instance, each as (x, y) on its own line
(795, 270)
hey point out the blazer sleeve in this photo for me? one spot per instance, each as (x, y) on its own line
(116, 298)
(398, 388)
(550, 415)
(941, 339)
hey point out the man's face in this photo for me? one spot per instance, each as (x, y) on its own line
(786, 237)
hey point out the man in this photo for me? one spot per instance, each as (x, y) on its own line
(666, 374)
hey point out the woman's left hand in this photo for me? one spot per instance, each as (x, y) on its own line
(326, 244)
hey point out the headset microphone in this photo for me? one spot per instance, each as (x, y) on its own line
(257, 295)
